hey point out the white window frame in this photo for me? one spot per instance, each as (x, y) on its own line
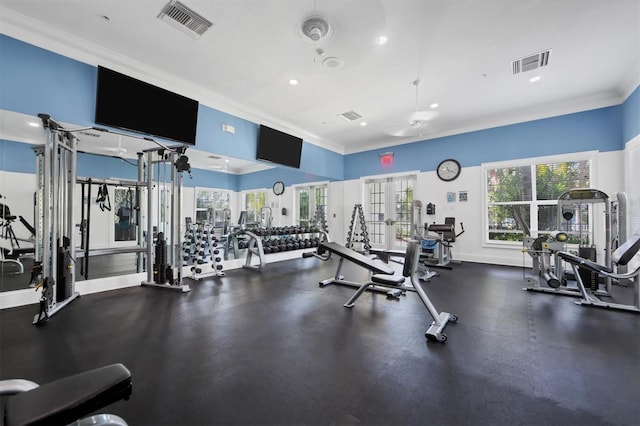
(590, 156)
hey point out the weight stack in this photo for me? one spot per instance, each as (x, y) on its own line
(160, 264)
(589, 278)
(63, 272)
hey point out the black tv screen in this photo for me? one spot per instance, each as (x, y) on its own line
(127, 103)
(278, 147)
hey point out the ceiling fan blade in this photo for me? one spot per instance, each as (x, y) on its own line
(405, 131)
(423, 115)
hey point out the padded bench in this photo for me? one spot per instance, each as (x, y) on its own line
(66, 400)
(383, 276)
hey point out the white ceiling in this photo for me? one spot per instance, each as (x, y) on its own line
(460, 50)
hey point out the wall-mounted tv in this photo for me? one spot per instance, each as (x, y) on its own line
(127, 103)
(278, 147)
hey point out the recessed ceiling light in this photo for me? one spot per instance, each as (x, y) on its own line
(364, 123)
(33, 124)
(381, 40)
(534, 79)
(434, 105)
(293, 82)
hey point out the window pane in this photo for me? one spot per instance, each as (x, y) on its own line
(576, 223)
(509, 184)
(303, 213)
(555, 178)
(508, 222)
(547, 218)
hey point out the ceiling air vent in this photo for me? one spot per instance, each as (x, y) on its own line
(531, 62)
(350, 115)
(184, 19)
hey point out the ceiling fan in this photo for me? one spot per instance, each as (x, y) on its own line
(417, 122)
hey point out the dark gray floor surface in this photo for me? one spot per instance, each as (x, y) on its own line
(274, 348)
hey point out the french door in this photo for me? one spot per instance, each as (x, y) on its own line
(388, 205)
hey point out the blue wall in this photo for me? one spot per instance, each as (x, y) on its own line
(631, 116)
(17, 157)
(599, 129)
(34, 80)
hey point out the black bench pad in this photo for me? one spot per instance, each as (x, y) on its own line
(582, 262)
(66, 400)
(388, 280)
(357, 258)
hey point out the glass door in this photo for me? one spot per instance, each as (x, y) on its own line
(388, 204)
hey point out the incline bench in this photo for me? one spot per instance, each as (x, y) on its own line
(383, 277)
(68, 399)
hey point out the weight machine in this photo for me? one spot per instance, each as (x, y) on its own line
(54, 225)
(437, 242)
(575, 206)
(164, 248)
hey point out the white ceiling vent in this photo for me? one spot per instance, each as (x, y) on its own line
(350, 115)
(184, 19)
(531, 62)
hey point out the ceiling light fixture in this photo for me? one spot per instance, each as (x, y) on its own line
(364, 123)
(293, 82)
(434, 105)
(534, 79)
(315, 28)
(381, 40)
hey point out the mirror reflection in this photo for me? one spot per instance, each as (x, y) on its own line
(110, 211)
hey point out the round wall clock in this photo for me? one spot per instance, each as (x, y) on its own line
(448, 170)
(278, 188)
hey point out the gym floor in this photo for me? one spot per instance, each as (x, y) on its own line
(273, 348)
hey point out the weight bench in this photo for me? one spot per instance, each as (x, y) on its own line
(383, 277)
(622, 256)
(324, 251)
(68, 399)
(389, 255)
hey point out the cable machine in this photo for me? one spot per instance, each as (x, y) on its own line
(54, 222)
(164, 242)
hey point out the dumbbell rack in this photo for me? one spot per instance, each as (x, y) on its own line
(353, 237)
(200, 249)
(280, 239)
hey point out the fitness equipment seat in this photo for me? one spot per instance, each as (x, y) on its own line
(621, 257)
(68, 399)
(383, 276)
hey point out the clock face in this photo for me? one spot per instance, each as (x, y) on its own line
(278, 188)
(448, 170)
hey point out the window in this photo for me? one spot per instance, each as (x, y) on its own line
(210, 206)
(253, 204)
(522, 199)
(309, 199)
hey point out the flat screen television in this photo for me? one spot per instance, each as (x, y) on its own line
(127, 103)
(278, 147)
